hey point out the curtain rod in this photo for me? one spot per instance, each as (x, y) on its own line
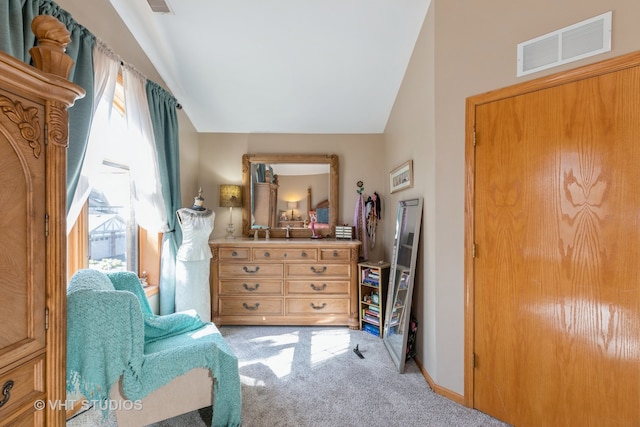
(102, 45)
(122, 63)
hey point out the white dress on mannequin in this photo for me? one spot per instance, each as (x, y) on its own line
(193, 261)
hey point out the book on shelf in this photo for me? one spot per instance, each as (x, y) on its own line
(370, 276)
(372, 313)
(372, 319)
(371, 329)
(374, 308)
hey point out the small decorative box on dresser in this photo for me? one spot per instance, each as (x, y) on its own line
(284, 282)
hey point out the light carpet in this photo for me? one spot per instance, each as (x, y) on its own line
(310, 377)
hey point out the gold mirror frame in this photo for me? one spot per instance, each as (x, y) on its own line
(330, 159)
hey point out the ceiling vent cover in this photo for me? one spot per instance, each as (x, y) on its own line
(578, 41)
(160, 6)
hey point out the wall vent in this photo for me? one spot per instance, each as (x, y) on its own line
(577, 41)
(160, 6)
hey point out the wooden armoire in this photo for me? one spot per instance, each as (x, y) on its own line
(33, 143)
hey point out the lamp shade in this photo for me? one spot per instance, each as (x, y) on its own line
(230, 196)
(292, 205)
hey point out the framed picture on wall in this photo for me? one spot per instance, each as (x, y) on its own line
(401, 177)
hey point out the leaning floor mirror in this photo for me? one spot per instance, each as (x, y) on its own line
(401, 278)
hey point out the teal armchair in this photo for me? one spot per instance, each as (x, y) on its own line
(145, 367)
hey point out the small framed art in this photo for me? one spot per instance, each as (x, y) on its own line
(401, 177)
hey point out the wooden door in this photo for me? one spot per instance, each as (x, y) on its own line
(22, 260)
(22, 242)
(556, 226)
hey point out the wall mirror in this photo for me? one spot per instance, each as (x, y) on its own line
(401, 278)
(286, 192)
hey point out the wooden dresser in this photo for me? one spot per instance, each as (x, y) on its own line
(33, 143)
(284, 282)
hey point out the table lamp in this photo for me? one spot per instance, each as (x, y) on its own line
(292, 206)
(231, 197)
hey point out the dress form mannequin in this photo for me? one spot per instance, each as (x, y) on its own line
(193, 258)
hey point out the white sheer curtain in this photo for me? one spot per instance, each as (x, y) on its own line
(106, 65)
(147, 197)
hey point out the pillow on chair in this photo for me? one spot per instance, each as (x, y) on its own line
(90, 279)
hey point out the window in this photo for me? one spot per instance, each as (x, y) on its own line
(106, 236)
(113, 233)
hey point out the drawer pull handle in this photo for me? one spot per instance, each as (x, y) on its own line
(249, 288)
(318, 307)
(6, 392)
(304, 254)
(251, 307)
(318, 288)
(335, 254)
(234, 253)
(319, 271)
(267, 254)
(246, 270)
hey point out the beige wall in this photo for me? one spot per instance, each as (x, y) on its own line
(294, 188)
(466, 48)
(360, 157)
(410, 134)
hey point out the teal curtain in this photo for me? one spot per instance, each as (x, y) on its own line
(162, 107)
(16, 38)
(81, 114)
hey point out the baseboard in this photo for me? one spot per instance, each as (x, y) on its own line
(451, 395)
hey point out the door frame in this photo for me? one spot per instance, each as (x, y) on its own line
(588, 71)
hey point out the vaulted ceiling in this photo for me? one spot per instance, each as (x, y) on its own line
(286, 66)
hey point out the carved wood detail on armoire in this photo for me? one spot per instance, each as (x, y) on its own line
(33, 145)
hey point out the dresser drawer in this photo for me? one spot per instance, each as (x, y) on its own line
(251, 287)
(318, 287)
(319, 270)
(282, 254)
(317, 306)
(335, 255)
(238, 306)
(284, 282)
(250, 270)
(241, 254)
(28, 385)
